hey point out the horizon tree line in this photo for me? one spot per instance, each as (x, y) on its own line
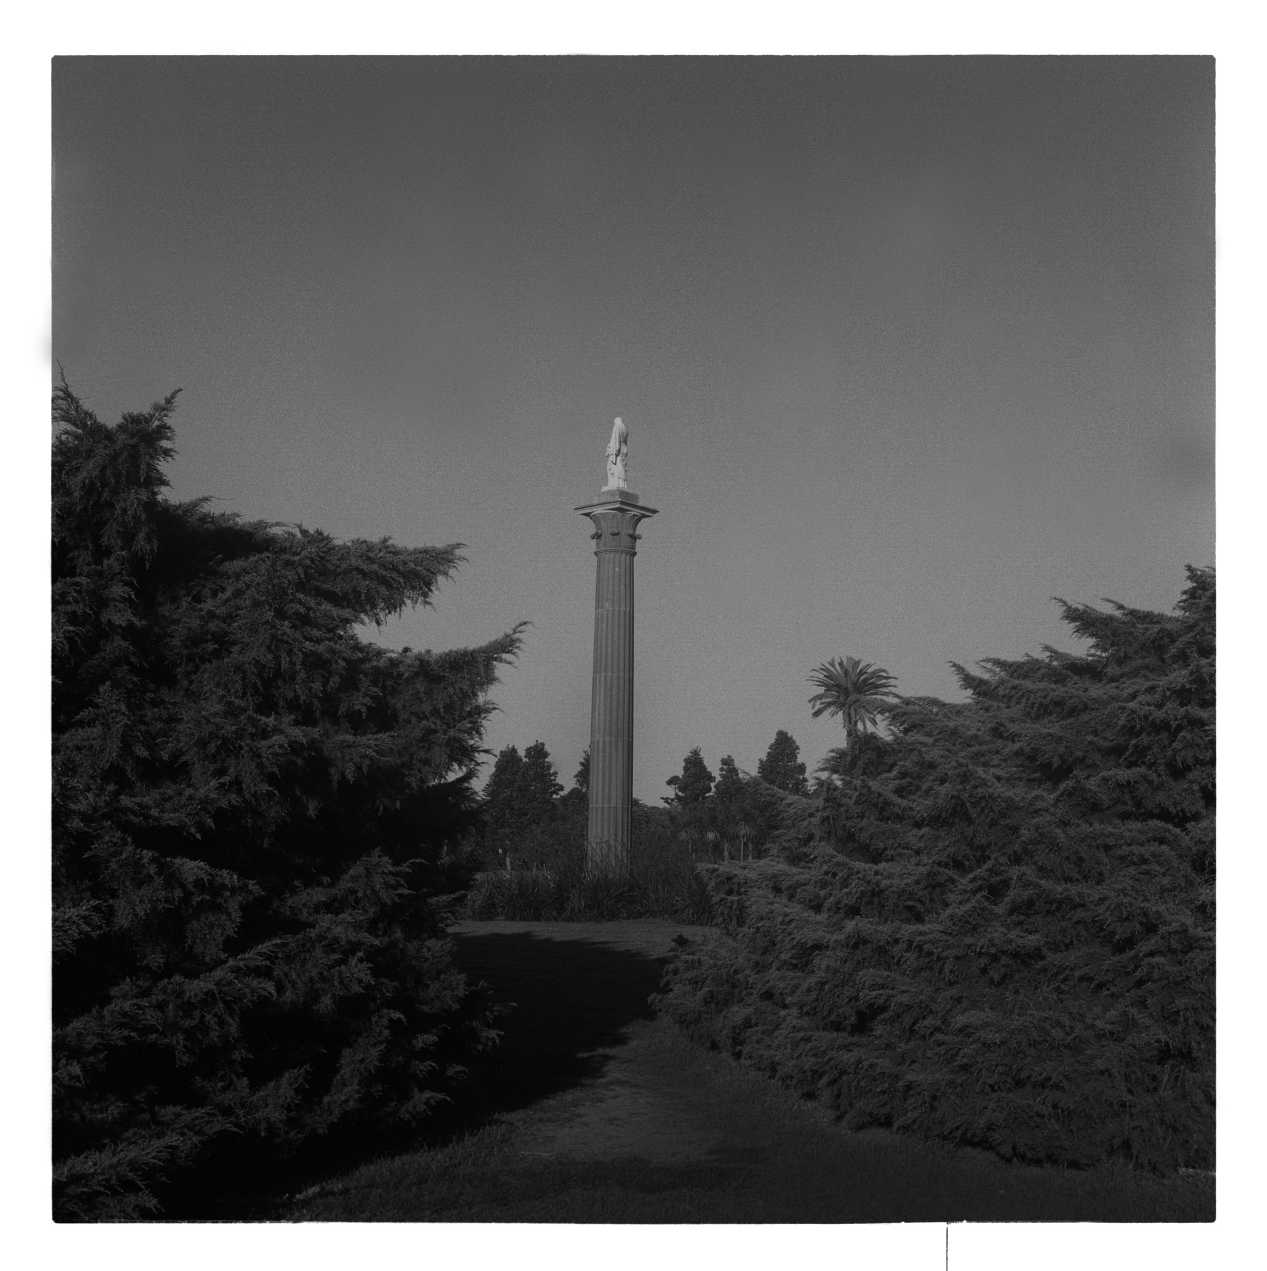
(532, 821)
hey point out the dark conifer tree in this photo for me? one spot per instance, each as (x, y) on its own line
(781, 766)
(693, 784)
(693, 811)
(540, 782)
(249, 801)
(729, 786)
(539, 808)
(502, 825)
(521, 810)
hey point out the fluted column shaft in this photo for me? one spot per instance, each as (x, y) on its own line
(611, 708)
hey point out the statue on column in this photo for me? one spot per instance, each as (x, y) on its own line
(618, 457)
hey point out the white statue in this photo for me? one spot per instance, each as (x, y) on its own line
(618, 457)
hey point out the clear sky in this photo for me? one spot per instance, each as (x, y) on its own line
(906, 347)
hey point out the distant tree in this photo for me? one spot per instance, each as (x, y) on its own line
(745, 811)
(539, 809)
(521, 812)
(729, 785)
(858, 692)
(728, 808)
(573, 815)
(502, 822)
(781, 766)
(540, 782)
(693, 811)
(693, 784)
(250, 806)
(573, 807)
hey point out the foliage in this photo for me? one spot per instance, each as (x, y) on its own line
(729, 784)
(858, 692)
(782, 767)
(251, 813)
(692, 809)
(996, 926)
(581, 781)
(745, 811)
(540, 870)
(519, 811)
(693, 784)
(499, 805)
(540, 781)
(662, 882)
(571, 819)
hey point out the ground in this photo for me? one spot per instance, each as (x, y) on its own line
(596, 1111)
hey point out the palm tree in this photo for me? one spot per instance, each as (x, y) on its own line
(857, 691)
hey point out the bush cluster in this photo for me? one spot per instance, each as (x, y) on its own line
(996, 927)
(662, 882)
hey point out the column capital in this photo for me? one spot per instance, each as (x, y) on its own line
(616, 518)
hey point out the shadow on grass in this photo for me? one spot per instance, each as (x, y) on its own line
(564, 1000)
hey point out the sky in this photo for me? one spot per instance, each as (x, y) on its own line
(907, 347)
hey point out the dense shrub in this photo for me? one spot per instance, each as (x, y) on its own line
(662, 882)
(996, 927)
(250, 810)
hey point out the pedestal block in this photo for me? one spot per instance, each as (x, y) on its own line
(615, 518)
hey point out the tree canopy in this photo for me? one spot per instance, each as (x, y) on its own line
(249, 806)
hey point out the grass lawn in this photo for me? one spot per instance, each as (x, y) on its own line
(822, 1177)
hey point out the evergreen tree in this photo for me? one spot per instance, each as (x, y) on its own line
(502, 825)
(746, 810)
(692, 809)
(249, 804)
(539, 792)
(521, 812)
(727, 811)
(729, 787)
(781, 766)
(693, 784)
(582, 779)
(540, 782)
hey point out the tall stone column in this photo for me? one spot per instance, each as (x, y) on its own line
(615, 518)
